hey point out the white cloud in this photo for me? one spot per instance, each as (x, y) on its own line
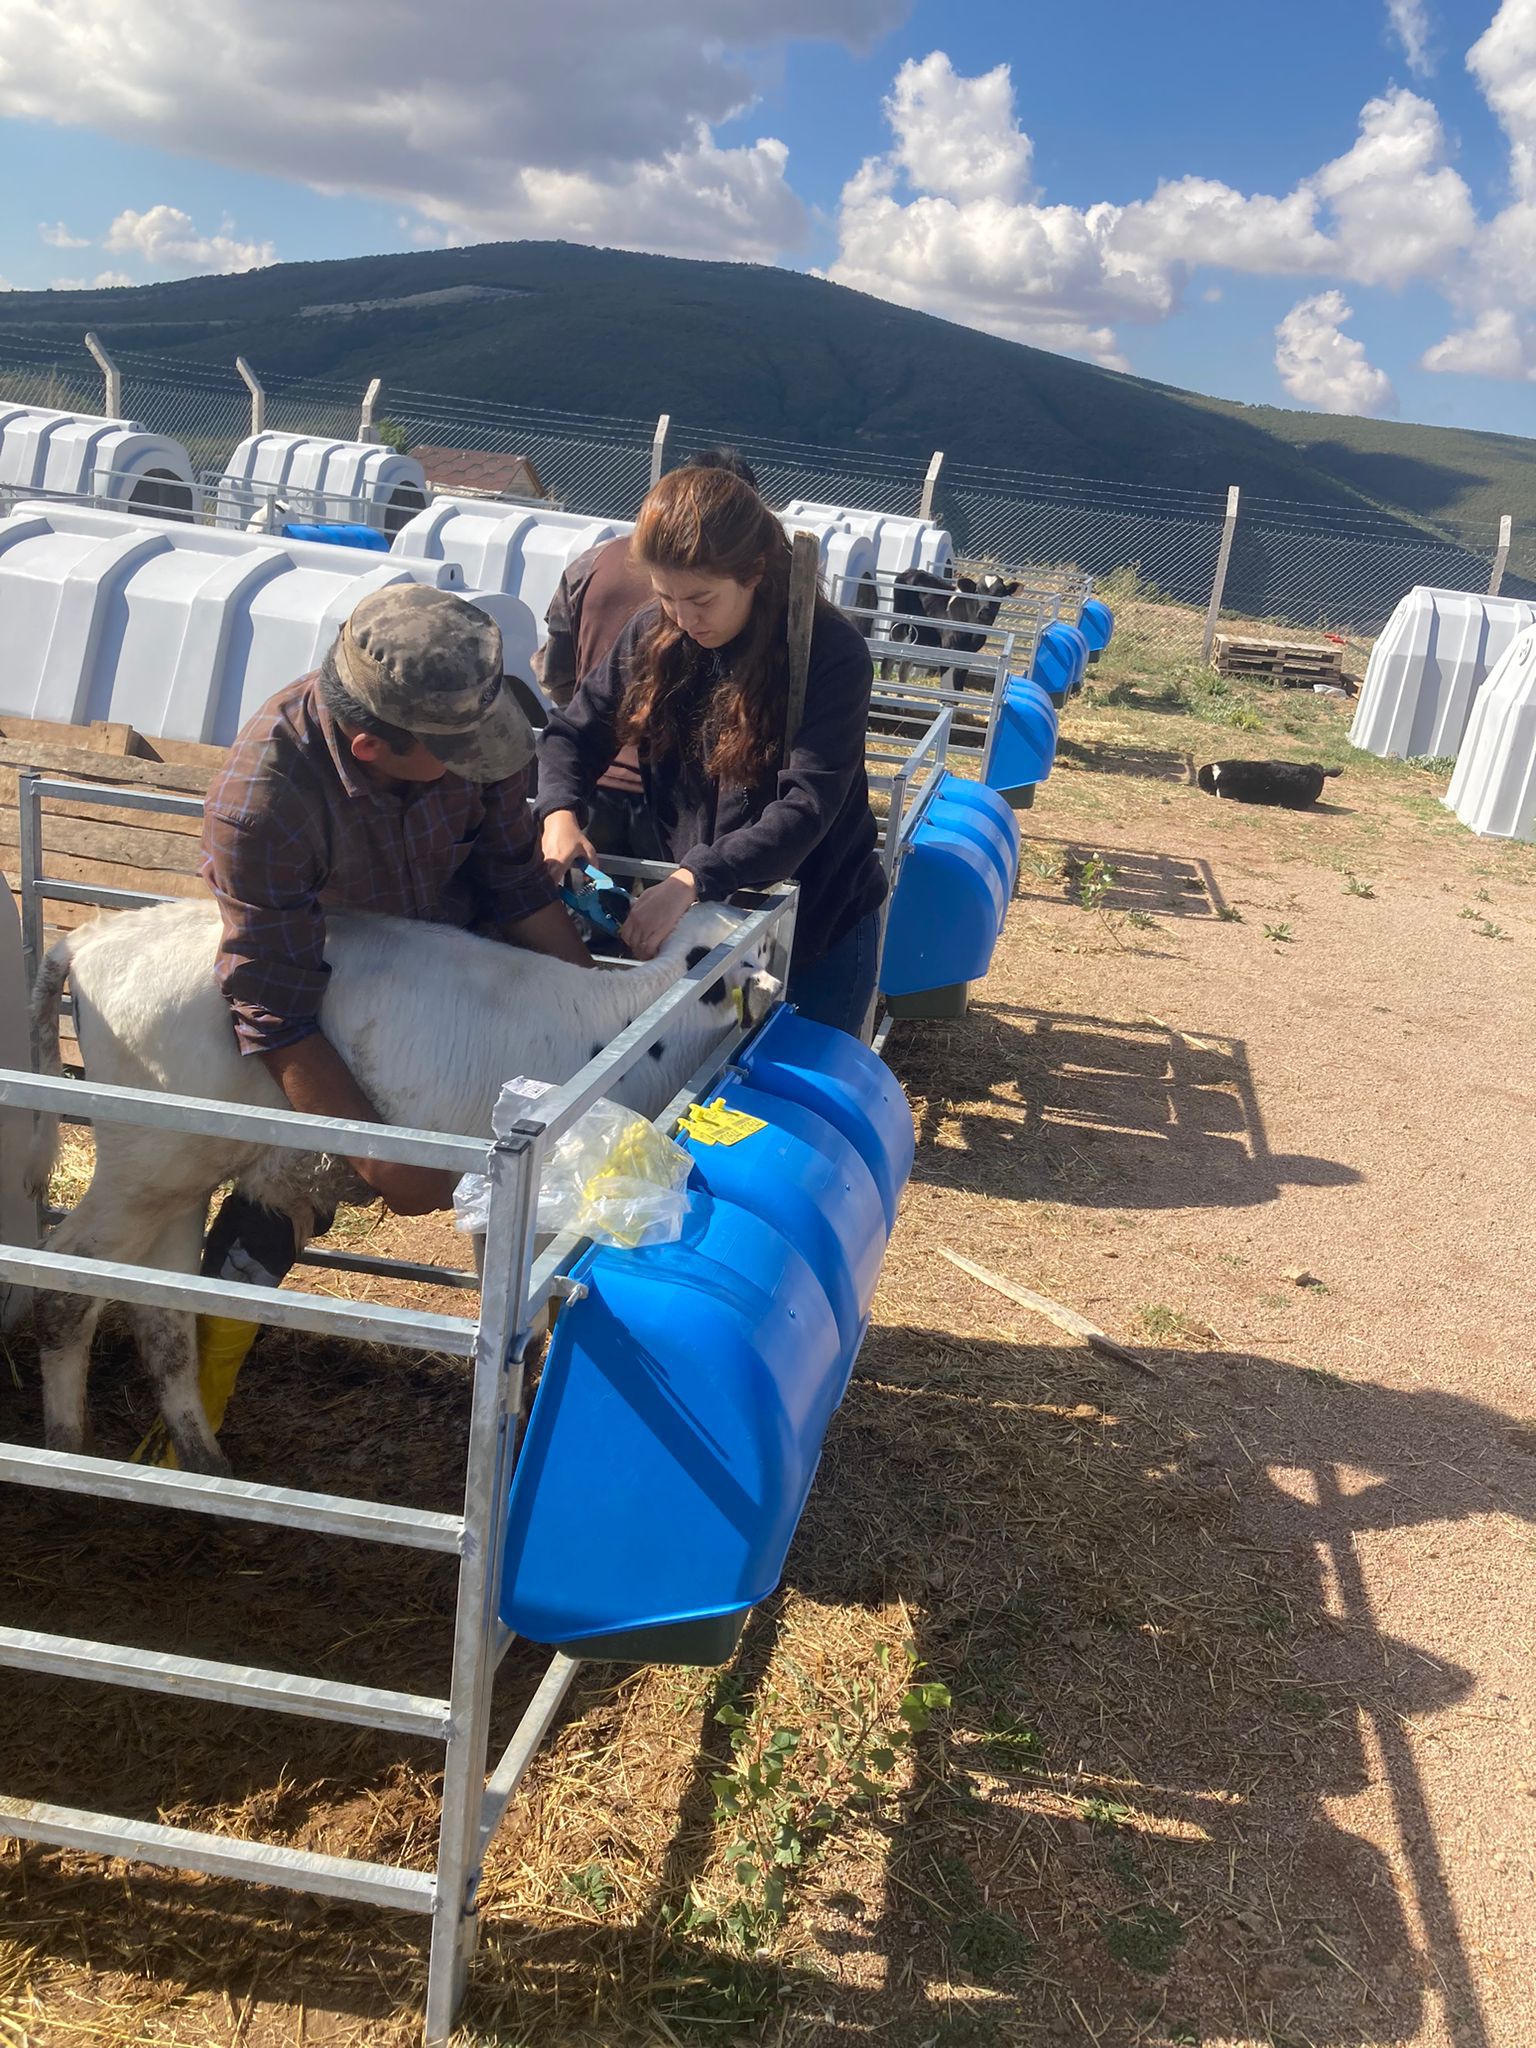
(948, 222)
(1324, 368)
(580, 119)
(102, 281)
(164, 238)
(1497, 344)
(57, 236)
(1409, 21)
(956, 137)
(1498, 278)
(1503, 61)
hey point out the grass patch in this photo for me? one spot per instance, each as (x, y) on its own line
(1146, 1939)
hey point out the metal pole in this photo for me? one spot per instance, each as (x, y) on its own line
(1219, 581)
(659, 447)
(515, 1169)
(1506, 525)
(936, 463)
(253, 384)
(371, 397)
(113, 376)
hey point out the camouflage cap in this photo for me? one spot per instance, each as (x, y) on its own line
(430, 662)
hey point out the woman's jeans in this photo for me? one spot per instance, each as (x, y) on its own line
(838, 988)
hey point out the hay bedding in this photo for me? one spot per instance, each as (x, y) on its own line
(1124, 1832)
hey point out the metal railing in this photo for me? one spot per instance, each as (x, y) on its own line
(518, 1281)
(1340, 565)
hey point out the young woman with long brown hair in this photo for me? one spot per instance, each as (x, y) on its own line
(699, 683)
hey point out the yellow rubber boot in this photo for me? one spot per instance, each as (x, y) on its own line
(222, 1345)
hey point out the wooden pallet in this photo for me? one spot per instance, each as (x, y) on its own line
(120, 849)
(1278, 660)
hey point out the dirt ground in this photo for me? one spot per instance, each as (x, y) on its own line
(1240, 1747)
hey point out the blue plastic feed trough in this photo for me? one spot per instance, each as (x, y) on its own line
(844, 1082)
(1060, 660)
(680, 1415)
(1023, 741)
(337, 534)
(952, 894)
(1096, 623)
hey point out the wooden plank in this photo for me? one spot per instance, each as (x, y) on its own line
(190, 777)
(141, 846)
(804, 583)
(1064, 1318)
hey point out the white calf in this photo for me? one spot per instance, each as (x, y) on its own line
(431, 1020)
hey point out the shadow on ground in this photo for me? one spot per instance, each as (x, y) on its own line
(1039, 1105)
(1118, 1833)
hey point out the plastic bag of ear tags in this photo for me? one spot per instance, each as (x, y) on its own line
(612, 1176)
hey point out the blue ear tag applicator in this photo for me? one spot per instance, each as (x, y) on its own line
(598, 899)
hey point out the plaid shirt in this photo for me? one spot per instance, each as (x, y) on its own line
(293, 828)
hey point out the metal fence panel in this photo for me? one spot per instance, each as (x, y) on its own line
(1305, 567)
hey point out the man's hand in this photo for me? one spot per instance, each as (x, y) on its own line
(564, 844)
(658, 913)
(318, 1082)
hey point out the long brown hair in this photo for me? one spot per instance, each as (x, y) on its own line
(708, 521)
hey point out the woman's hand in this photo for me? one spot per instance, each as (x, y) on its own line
(564, 844)
(658, 913)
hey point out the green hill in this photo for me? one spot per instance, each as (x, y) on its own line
(745, 350)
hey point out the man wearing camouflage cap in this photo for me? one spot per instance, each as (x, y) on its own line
(393, 779)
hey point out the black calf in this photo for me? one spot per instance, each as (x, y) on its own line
(1295, 785)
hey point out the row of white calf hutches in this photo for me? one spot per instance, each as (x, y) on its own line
(1493, 789)
(78, 455)
(1426, 668)
(271, 478)
(899, 544)
(179, 631)
(499, 547)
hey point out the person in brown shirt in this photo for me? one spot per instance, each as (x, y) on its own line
(394, 779)
(594, 601)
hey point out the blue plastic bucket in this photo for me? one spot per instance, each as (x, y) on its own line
(1024, 744)
(672, 1442)
(971, 811)
(1060, 660)
(844, 1082)
(1096, 623)
(807, 1180)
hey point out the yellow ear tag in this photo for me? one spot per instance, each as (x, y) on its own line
(713, 1124)
(739, 1004)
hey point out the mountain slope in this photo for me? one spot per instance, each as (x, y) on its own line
(749, 350)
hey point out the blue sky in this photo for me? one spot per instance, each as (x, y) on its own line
(1319, 205)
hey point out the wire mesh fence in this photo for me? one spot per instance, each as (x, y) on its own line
(1301, 568)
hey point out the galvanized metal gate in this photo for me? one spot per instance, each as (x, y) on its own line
(518, 1283)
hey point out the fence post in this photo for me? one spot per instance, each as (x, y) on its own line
(365, 429)
(659, 447)
(252, 383)
(113, 376)
(936, 463)
(1501, 557)
(1219, 581)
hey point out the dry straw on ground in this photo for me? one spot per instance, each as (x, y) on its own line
(1187, 1624)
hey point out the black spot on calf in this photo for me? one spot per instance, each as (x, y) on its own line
(717, 991)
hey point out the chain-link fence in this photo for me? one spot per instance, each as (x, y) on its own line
(1297, 567)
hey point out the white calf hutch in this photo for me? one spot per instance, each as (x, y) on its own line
(511, 548)
(1493, 789)
(179, 631)
(1426, 668)
(271, 479)
(80, 455)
